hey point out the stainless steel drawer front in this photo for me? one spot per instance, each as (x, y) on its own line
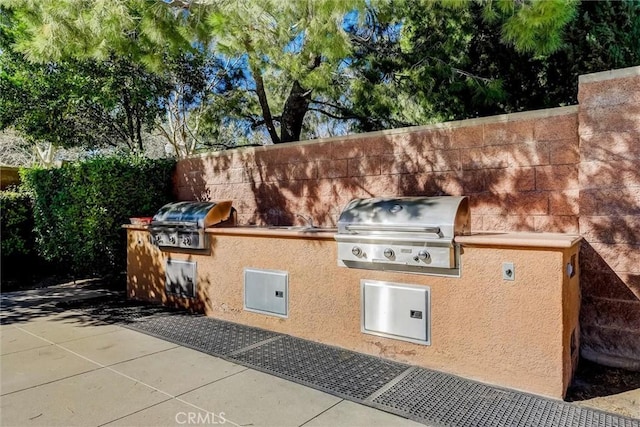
(396, 310)
(180, 278)
(266, 291)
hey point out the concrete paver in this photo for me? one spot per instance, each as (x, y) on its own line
(349, 414)
(40, 365)
(117, 346)
(93, 398)
(257, 399)
(626, 403)
(178, 370)
(14, 340)
(40, 315)
(170, 413)
(68, 328)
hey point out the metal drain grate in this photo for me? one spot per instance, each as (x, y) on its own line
(435, 397)
(336, 371)
(202, 333)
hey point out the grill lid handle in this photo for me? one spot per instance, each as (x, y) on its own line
(404, 229)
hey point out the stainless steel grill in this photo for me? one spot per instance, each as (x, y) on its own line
(411, 234)
(182, 224)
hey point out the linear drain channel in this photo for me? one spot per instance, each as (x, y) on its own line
(419, 394)
(430, 396)
(203, 333)
(340, 372)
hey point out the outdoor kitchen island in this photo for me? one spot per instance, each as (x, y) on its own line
(509, 319)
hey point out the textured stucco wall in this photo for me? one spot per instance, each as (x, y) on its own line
(515, 334)
(609, 205)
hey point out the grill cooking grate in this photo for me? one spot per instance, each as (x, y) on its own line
(420, 394)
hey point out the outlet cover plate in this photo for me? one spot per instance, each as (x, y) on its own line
(508, 271)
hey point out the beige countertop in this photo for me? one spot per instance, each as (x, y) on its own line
(485, 238)
(520, 239)
(276, 231)
(135, 226)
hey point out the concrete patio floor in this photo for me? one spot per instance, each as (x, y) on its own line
(64, 368)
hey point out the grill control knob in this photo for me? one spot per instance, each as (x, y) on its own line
(388, 253)
(159, 239)
(186, 240)
(356, 251)
(423, 255)
(172, 240)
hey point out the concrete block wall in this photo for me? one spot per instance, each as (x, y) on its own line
(609, 205)
(520, 171)
(571, 169)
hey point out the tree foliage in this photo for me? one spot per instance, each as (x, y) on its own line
(259, 67)
(448, 63)
(76, 102)
(293, 49)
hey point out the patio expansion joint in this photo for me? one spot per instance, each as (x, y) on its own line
(111, 365)
(134, 412)
(26, 349)
(321, 413)
(212, 382)
(52, 381)
(61, 342)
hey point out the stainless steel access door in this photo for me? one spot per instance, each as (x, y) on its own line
(180, 278)
(396, 310)
(266, 291)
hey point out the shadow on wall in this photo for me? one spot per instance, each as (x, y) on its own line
(610, 313)
(146, 274)
(519, 175)
(610, 223)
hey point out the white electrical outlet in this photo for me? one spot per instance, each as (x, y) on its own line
(508, 271)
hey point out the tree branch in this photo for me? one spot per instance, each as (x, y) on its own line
(262, 97)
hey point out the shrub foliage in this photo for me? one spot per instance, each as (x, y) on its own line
(16, 224)
(79, 208)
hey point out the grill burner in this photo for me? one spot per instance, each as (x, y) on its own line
(410, 234)
(182, 224)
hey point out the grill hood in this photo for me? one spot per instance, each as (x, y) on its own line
(182, 224)
(440, 217)
(196, 214)
(409, 234)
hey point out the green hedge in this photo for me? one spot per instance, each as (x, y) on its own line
(16, 225)
(80, 207)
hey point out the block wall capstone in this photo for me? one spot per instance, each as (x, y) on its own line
(571, 169)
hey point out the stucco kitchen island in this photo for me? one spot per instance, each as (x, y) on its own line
(520, 333)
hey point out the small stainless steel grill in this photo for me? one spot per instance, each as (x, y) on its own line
(182, 224)
(411, 234)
